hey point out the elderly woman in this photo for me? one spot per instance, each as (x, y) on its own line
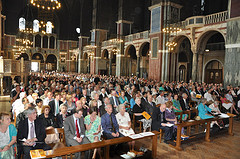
(124, 123)
(8, 135)
(204, 110)
(70, 104)
(138, 109)
(61, 116)
(177, 107)
(170, 115)
(48, 119)
(85, 108)
(123, 99)
(93, 127)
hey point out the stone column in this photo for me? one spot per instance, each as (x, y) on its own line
(48, 42)
(41, 42)
(194, 67)
(110, 66)
(1, 85)
(138, 67)
(200, 67)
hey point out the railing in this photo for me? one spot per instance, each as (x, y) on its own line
(215, 46)
(197, 21)
(141, 35)
(14, 66)
(217, 17)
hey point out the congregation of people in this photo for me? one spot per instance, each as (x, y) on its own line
(88, 107)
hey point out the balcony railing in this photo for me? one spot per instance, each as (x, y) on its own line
(14, 66)
(141, 35)
(198, 21)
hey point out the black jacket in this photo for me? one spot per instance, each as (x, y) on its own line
(157, 119)
(52, 106)
(39, 130)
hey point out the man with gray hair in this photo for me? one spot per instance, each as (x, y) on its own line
(31, 133)
(184, 102)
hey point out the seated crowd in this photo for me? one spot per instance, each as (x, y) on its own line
(89, 106)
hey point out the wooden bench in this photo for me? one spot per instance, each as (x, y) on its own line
(136, 121)
(106, 144)
(198, 122)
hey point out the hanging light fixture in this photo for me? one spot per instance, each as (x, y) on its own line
(171, 45)
(46, 4)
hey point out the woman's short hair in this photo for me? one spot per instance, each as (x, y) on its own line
(121, 106)
(2, 114)
(69, 96)
(91, 102)
(137, 99)
(93, 109)
(63, 105)
(169, 104)
(44, 107)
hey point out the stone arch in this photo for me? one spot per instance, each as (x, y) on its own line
(219, 71)
(45, 41)
(131, 60)
(204, 36)
(144, 59)
(38, 40)
(51, 62)
(179, 39)
(105, 54)
(38, 56)
(25, 57)
(52, 42)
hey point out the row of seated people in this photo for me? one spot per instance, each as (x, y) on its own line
(80, 130)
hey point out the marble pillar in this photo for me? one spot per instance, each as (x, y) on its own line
(1, 85)
(194, 67)
(200, 67)
(138, 67)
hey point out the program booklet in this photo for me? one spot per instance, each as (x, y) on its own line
(39, 153)
(146, 115)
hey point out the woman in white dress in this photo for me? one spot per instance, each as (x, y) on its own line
(124, 123)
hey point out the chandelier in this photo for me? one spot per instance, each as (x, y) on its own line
(115, 51)
(171, 30)
(46, 4)
(171, 45)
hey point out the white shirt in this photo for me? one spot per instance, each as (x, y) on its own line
(29, 129)
(160, 100)
(208, 96)
(46, 101)
(56, 106)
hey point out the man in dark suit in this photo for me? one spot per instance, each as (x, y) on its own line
(33, 130)
(144, 99)
(55, 104)
(159, 122)
(102, 107)
(184, 102)
(84, 94)
(150, 105)
(103, 94)
(114, 101)
(74, 130)
(128, 94)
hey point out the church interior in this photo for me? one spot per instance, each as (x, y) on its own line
(161, 41)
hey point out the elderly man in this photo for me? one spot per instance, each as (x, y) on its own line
(74, 130)
(159, 122)
(31, 133)
(109, 124)
(114, 101)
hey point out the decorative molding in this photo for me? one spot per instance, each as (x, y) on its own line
(228, 46)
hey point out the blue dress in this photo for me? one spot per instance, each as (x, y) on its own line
(203, 110)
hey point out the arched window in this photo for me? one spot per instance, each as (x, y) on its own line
(49, 27)
(36, 25)
(22, 23)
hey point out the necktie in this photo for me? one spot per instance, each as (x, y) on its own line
(111, 122)
(77, 129)
(57, 109)
(116, 103)
(32, 131)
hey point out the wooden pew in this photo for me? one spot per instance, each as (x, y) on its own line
(198, 122)
(136, 121)
(106, 144)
